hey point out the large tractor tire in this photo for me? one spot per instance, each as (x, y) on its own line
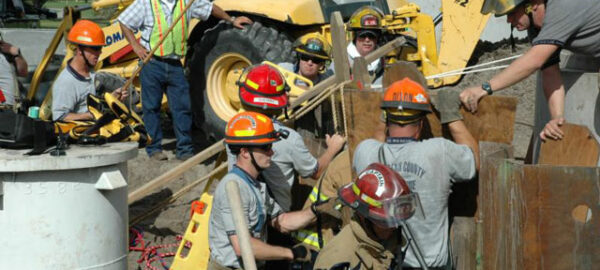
(217, 61)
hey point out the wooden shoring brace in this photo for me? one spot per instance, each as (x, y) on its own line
(241, 227)
(340, 54)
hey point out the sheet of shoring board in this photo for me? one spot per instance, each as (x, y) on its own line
(400, 70)
(577, 148)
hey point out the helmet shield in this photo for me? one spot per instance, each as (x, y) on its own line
(402, 208)
(500, 7)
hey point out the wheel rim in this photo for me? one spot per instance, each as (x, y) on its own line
(221, 87)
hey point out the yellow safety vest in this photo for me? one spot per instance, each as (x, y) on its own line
(176, 41)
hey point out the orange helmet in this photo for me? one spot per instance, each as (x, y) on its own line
(251, 128)
(381, 195)
(86, 33)
(405, 101)
(263, 86)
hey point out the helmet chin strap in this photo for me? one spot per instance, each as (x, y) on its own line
(87, 63)
(254, 163)
(368, 226)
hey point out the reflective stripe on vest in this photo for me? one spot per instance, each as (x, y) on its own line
(176, 41)
(314, 193)
(307, 237)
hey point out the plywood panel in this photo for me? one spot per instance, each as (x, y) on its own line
(577, 148)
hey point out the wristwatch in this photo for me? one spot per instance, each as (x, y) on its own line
(487, 88)
(18, 53)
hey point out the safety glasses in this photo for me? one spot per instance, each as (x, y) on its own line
(364, 35)
(315, 60)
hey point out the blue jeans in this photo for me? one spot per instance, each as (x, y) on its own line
(159, 77)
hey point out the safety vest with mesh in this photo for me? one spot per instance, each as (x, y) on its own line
(308, 236)
(176, 41)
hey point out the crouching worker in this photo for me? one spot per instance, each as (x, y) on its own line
(373, 237)
(250, 137)
(76, 81)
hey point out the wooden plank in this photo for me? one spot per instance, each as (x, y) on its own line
(463, 238)
(340, 54)
(360, 74)
(577, 148)
(400, 70)
(363, 114)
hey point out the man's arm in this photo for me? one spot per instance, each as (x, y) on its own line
(518, 70)
(137, 47)
(461, 135)
(262, 251)
(238, 22)
(334, 143)
(20, 62)
(78, 116)
(555, 94)
(293, 221)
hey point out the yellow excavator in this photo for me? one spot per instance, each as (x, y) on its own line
(218, 52)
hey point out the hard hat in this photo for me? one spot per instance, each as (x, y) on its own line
(264, 87)
(405, 101)
(313, 44)
(366, 17)
(251, 128)
(500, 7)
(381, 195)
(86, 33)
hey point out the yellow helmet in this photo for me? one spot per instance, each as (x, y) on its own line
(500, 7)
(366, 17)
(313, 44)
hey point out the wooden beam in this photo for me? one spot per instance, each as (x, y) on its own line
(360, 73)
(578, 147)
(174, 173)
(339, 43)
(385, 49)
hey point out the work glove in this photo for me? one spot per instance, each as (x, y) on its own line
(328, 207)
(448, 103)
(301, 253)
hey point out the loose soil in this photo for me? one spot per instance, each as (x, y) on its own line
(162, 227)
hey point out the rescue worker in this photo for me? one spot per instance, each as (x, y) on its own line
(366, 24)
(313, 52)
(250, 137)
(76, 81)
(263, 89)
(552, 25)
(164, 72)
(12, 64)
(429, 166)
(372, 238)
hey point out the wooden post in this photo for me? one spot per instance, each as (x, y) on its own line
(340, 55)
(241, 228)
(360, 72)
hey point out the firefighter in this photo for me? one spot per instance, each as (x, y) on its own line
(250, 136)
(429, 166)
(313, 52)
(371, 239)
(366, 24)
(552, 25)
(77, 80)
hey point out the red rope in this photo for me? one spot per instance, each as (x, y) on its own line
(151, 254)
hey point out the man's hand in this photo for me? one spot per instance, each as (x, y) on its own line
(470, 97)
(335, 142)
(327, 207)
(139, 50)
(552, 129)
(447, 103)
(8, 48)
(120, 93)
(239, 22)
(301, 253)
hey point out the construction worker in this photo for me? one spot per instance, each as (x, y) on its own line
(262, 89)
(313, 53)
(11, 60)
(366, 24)
(250, 136)
(552, 25)
(428, 166)
(164, 72)
(76, 81)
(372, 238)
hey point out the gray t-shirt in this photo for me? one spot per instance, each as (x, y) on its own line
(69, 93)
(429, 168)
(571, 24)
(7, 80)
(321, 76)
(256, 202)
(290, 156)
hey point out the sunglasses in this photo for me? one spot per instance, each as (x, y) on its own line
(369, 35)
(315, 60)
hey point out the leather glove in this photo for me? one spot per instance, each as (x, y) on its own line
(448, 103)
(301, 253)
(327, 207)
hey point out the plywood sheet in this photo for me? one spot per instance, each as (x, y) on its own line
(577, 148)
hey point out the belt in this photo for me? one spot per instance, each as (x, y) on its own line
(170, 61)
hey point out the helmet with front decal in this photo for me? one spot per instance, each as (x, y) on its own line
(405, 102)
(263, 86)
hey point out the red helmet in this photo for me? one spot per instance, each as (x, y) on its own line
(381, 195)
(263, 87)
